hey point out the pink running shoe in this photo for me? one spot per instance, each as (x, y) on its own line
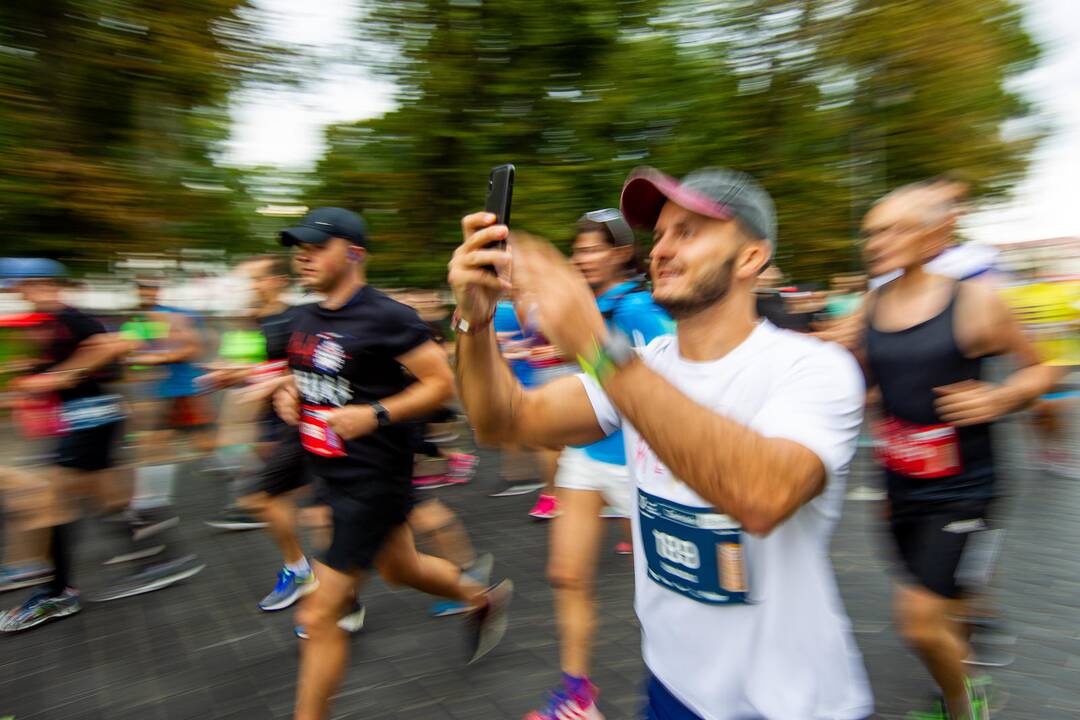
(624, 548)
(462, 467)
(564, 705)
(546, 507)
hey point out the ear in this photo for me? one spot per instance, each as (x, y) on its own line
(752, 258)
(356, 254)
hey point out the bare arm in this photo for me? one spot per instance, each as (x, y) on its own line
(759, 481)
(991, 329)
(434, 386)
(503, 412)
(498, 407)
(92, 354)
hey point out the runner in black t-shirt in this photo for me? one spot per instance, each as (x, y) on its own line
(75, 354)
(364, 367)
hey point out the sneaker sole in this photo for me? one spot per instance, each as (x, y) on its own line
(497, 629)
(515, 490)
(137, 555)
(301, 633)
(226, 525)
(292, 599)
(42, 621)
(159, 584)
(154, 528)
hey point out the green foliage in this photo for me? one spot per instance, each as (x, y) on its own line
(828, 102)
(110, 112)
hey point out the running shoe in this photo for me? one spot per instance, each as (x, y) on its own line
(509, 489)
(480, 571)
(351, 623)
(546, 507)
(234, 518)
(157, 576)
(563, 704)
(430, 482)
(624, 548)
(977, 697)
(290, 587)
(486, 625)
(39, 608)
(462, 467)
(22, 575)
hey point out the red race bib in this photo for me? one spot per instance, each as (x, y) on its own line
(315, 436)
(923, 452)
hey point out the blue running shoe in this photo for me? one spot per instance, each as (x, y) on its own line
(479, 571)
(290, 588)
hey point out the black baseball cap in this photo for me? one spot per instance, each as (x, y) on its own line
(713, 192)
(324, 223)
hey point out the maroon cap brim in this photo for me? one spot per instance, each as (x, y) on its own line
(647, 189)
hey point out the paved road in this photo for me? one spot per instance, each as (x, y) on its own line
(202, 650)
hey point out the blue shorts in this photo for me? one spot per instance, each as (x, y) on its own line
(660, 704)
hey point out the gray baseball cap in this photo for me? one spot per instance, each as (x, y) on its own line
(713, 192)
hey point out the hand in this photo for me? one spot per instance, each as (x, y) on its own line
(847, 331)
(144, 359)
(43, 382)
(352, 421)
(476, 289)
(287, 403)
(217, 379)
(972, 402)
(563, 303)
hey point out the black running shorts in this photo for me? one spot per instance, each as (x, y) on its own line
(90, 449)
(361, 525)
(285, 468)
(933, 542)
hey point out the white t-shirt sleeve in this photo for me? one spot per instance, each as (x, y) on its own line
(818, 403)
(607, 416)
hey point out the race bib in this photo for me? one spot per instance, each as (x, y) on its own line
(695, 552)
(315, 436)
(91, 412)
(923, 452)
(38, 416)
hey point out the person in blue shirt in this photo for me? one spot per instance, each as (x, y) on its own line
(593, 476)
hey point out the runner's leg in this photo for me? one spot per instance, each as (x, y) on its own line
(925, 621)
(401, 564)
(324, 657)
(575, 543)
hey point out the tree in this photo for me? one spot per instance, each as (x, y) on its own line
(110, 113)
(828, 102)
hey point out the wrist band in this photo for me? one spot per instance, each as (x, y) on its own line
(600, 366)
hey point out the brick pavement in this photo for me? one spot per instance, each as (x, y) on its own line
(202, 650)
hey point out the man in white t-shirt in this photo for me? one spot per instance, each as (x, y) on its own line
(738, 438)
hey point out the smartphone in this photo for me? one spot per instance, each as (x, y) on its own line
(500, 193)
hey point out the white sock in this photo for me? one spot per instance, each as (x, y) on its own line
(300, 567)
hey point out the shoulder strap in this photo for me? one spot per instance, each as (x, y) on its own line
(609, 314)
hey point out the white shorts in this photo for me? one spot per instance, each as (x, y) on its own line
(578, 471)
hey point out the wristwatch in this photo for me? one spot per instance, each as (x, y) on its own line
(382, 415)
(463, 327)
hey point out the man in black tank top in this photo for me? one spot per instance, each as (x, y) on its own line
(924, 342)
